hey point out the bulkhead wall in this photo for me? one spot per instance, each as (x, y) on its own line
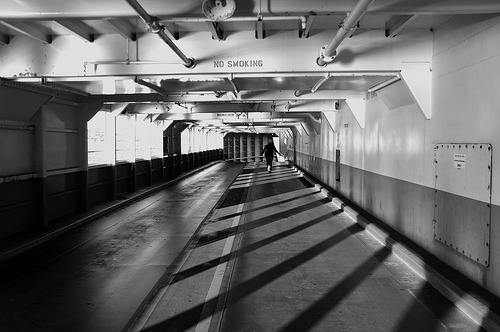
(388, 167)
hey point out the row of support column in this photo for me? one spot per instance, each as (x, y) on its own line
(110, 182)
(244, 147)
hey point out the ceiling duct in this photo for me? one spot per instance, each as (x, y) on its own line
(218, 10)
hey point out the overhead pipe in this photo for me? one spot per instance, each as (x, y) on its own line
(233, 83)
(154, 24)
(320, 82)
(316, 86)
(328, 52)
(384, 84)
(313, 118)
(233, 19)
(150, 86)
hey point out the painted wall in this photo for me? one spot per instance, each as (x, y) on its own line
(466, 80)
(387, 167)
(44, 157)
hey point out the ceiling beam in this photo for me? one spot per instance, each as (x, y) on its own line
(148, 108)
(246, 96)
(78, 28)
(170, 112)
(215, 30)
(259, 28)
(397, 23)
(4, 39)
(220, 108)
(30, 30)
(124, 28)
(305, 26)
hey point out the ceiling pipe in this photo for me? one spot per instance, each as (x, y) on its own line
(384, 84)
(328, 52)
(320, 82)
(313, 118)
(234, 19)
(316, 86)
(154, 24)
(150, 86)
(233, 84)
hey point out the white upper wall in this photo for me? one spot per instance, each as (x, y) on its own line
(466, 85)
(398, 141)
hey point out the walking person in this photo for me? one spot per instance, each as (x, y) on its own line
(268, 152)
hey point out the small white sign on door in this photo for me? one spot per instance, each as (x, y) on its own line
(459, 160)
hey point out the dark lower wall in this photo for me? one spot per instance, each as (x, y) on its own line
(409, 209)
(405, 206)
(36, 203)
(18, 206)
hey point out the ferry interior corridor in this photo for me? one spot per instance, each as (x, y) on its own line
(260, 165)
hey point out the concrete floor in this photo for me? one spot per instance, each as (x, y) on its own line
(275, 255)
(231, 248)
(97, 277)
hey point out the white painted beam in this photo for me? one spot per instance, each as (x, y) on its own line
(30, 30)
(305, 28)
(259, 29)
(117, 109)
(418, 78)
(215, 30)
(165, 123)
(17, 9)
(298, 130)
(78, 29)
(358, 109)
(305, 128)
(331, 117)
(124, 28)
(245, 96)
(397, 23)
(148, 108)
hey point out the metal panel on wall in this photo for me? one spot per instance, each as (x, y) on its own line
(462, 209)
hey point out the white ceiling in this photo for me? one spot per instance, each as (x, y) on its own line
(286, 98)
